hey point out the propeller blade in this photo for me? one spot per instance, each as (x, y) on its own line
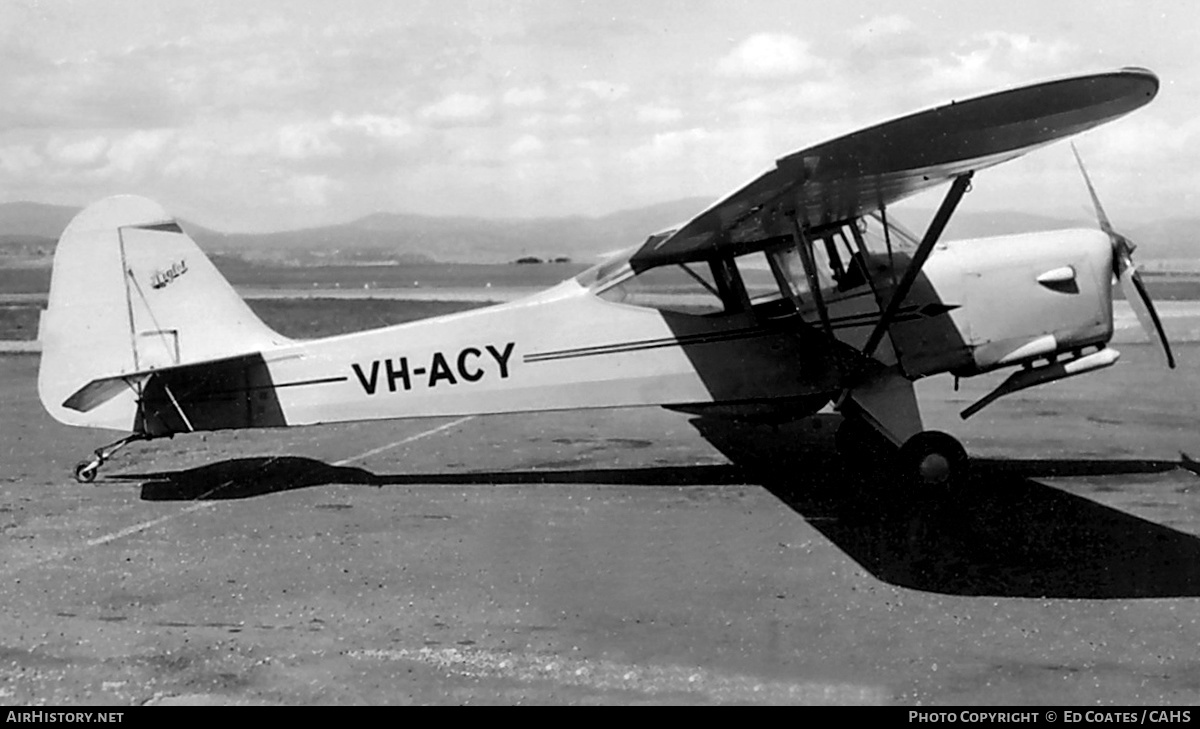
(1143, 307)
(1100, 216)
(1126, 272)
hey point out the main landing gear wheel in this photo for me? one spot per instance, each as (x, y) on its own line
(933, 458)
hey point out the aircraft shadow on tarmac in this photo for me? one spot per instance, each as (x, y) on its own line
(1000, 534)
(245, 478)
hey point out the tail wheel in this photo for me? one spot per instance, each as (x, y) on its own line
(85, 471)
(933, 458)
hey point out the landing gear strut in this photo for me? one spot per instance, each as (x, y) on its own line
(887, 404)
(85, 471)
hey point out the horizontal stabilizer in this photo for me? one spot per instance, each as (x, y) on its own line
(97, 392)
(101, 390)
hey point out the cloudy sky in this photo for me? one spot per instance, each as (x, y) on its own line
(266, 115)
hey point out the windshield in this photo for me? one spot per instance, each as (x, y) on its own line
(607, 270)
(680, 287)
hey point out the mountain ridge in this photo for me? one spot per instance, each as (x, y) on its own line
(30, 229)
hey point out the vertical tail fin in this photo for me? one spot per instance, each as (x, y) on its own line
(130, 291)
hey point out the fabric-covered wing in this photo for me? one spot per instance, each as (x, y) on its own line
(860, 172)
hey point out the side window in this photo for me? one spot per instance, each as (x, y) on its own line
(789, 269)
(839, 266)
(871, 227)
(760, 282)
(684, 288)
(845, 262)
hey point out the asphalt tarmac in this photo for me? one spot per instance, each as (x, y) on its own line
(621, 556)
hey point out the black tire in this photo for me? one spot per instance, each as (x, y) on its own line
(934, 458)
(85, 471)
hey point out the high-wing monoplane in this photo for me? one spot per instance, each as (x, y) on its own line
(791, 294)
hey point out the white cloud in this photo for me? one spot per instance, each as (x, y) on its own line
(993, 59)
(524, 97)
(79, 153)
(237, 33)
(605, 90)
(768, 56)
(1026, 50)
(1144, 141)
(277, 113)
(185, 166)
(375, 125)
(304, 141)
(879, 27)
(655, 114)
(311, 189)
(525, 146)
(458, 108)
(802, 97)
(668, 146)
(19, 159)
(344, 136)
(135, 150)
(193, 153)
(551, 121)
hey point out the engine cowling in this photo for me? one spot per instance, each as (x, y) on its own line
(1021, 298)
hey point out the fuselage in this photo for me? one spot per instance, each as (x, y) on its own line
(979, 304)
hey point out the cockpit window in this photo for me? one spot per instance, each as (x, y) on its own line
(686, 288)
(757, 277)
(871, 227)
(761, 277)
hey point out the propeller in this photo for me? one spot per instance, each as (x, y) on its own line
(1126, 272)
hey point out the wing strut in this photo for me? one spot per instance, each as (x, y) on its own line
(864, 255)
(804, 247)
(887, 238)
(936, 226)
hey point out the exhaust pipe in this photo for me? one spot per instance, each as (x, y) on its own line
(1033, 376)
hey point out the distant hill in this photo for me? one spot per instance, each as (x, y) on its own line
(1174, 238)
(985, 223)
(33, 219)
(1169, 238)
(399, 237)
(411, 237)
(29, 229)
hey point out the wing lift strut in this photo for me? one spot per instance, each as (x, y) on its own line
(886, 400)
(957, 189)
